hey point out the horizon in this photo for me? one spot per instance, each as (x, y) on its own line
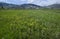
(39, 2)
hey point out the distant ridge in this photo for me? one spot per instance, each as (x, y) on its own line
(30, 6)
(7, 5)
(56, 6)
(27, 6)
(23, 6)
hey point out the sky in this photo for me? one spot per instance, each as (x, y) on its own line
(37, 2)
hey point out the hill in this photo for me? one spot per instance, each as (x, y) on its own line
(23, 6)
(7, 5)
(56, 6)
(30, 6)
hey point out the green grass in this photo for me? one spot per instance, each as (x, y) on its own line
(30, 24)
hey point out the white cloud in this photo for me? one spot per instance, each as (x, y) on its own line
(23, 0)
(30, 1)
(44, 2)
(38, 2)
(57, 1)
(3, 0)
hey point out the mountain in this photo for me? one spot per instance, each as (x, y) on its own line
(30, 6)
(7, 5)
(56, 6)
(23, 6)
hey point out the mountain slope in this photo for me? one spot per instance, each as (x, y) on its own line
(23, 6)
(30, 6)
(57, 6)
(6, 5)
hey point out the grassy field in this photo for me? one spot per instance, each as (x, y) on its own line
(30, 24)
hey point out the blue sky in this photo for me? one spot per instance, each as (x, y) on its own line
(38, 2)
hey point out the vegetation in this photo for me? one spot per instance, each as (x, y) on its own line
(30, 24)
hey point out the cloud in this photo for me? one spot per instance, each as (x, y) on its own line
(30, 1)
(2, 0)
(57, 1)
(44, 2)
(38, 2)
(23, 0)
(16, 1)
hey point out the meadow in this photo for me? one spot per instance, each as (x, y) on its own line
(30, 24)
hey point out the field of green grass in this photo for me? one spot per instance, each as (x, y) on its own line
(30, 24)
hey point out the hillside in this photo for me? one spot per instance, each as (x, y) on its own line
(57, 6)
(30, 24)
(30, 6)
(7, 5)
(22, 6)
